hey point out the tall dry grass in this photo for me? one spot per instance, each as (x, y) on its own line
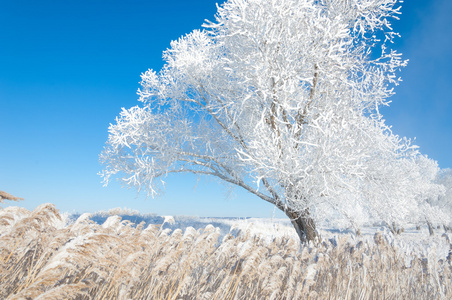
(5, 196)
(42, 257)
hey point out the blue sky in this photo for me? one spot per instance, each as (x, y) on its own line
(67, 68)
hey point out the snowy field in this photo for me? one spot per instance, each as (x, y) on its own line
(412, 241)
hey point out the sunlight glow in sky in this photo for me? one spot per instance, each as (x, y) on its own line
(67, 68)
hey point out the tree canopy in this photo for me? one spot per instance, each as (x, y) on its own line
(281, 98)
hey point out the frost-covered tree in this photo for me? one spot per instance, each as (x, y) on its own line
(281, 98)
(443, 202)
(429, 183)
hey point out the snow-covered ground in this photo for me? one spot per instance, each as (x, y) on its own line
(411, 242)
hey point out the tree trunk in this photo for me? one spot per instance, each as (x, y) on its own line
(430, 228)
(303, 224)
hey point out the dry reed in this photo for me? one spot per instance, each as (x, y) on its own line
(42, 257)
(6, 196)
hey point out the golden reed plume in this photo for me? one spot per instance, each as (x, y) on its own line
(45, 255)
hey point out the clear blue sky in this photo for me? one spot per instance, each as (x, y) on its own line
(67, 68)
